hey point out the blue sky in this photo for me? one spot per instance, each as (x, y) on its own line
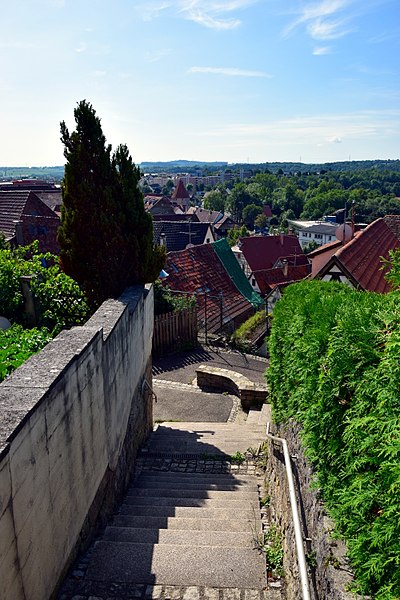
(233, 80)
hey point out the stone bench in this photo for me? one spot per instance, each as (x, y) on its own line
(251, 395)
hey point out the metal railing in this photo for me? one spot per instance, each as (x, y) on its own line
(301, 559)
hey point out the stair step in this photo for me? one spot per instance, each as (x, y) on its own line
(176, 565)
(198, 478)
(190, 512)
(178, 537)
(182, 523)
(143, 482)
(209, 503)
(197, 426)
(203, 494)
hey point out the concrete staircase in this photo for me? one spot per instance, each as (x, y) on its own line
(189, 522)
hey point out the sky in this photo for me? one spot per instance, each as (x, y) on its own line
(205, 80)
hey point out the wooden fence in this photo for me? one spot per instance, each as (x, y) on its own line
(175, 331)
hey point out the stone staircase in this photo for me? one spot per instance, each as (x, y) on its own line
(189, 525)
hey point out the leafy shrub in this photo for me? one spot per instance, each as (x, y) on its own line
(241, 338)
(335, 368)
(18, 344)
(59, 299)
(166, 301)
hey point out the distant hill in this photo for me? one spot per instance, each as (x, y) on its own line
(207, 168)
(48, 173)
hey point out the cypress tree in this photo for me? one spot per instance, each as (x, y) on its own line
(106, 236)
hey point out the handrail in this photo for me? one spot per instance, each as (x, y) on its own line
(145, 384)
(301, 559)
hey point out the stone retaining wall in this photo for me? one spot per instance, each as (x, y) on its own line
(213, 378)
(72, 419)
(329, 570)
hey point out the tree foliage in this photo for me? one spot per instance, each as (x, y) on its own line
(106, 236)
(335, 368)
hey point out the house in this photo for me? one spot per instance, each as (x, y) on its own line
(358, 263)
(281, 275)
(221, 223)
(24, 217)
(320, 232)
(211, 273)
(180, 196)
(178, 235)
(157, 204)
(260, 252)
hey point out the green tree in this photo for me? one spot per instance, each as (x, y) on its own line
(261, 221)
(237, 232)
(168, 188)
(106, 236)
(215, 200)
(239, 198)
(250, 213)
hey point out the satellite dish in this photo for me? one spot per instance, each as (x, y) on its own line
(343, 233)
(188, 246)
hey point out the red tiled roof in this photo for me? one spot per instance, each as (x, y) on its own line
(267, 211)
(180, 192)
(361, 257)
(199, 270)
(268, 279)
(262, 251)
(324, 248)
(38, 220)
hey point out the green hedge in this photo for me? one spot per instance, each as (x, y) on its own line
(335, 368)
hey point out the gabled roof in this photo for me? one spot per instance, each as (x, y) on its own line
(16, 205)
(268, 279)
(180, 192)
(225, 222)
(208, 216)
(361, 258)
(262, 251)
(178, 234)
(199, 271)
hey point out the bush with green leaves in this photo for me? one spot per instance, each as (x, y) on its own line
(242, 336)
(335, 368)
(59, 300)
(18, 344)
(165, 300)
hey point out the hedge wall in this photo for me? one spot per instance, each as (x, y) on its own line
(335, 368)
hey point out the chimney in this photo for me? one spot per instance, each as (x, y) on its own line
(285, 267)
(163, 240)
(18, 233)
(281, 237)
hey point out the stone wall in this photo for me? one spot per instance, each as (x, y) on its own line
(72, 419)
(329, 571)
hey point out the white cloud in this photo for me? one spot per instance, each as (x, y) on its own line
(230, 72)
(322, 50)
(334, 140)
(327, 30)
(320, 22)
(212, 14)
